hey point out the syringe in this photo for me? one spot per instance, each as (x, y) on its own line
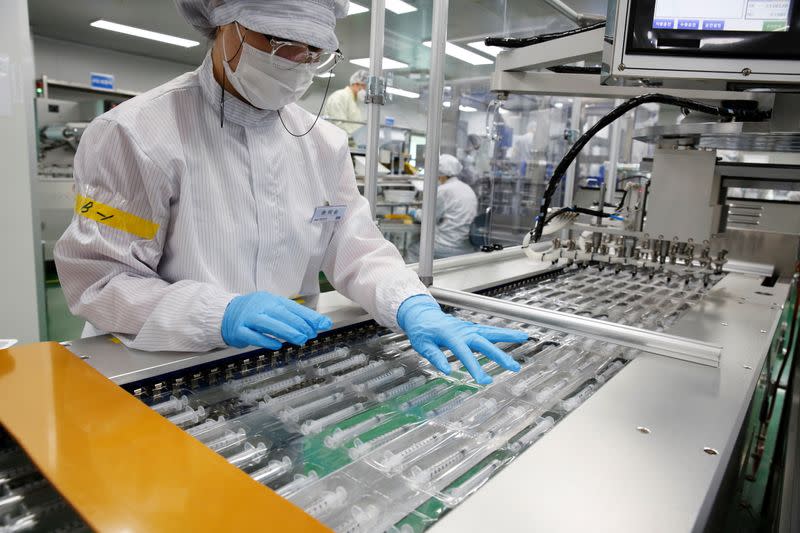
(170, 406)
(542, 426)
(340, 436)
(356, 360)
(300, 481)
(208, 428)
(310, 427)
(361, 521)
(419, 475)
(377, 381)
(253, 395)
(565, 358)
(249, 456)
(475, 481)
(395, 460)
(338, 353)
(274, 403)
(293, 414)
(373, 366)
(272, 471)
(549, 391)
(361, 448)
(523, 385)
(188, 416)
(487, 407)
(501, 422)
(326, 503)
(609, 372)
(228, 440)
(451, 404)
(586, 364)
(425, 397)
(241, 383)
(403, 388)
(575, 400)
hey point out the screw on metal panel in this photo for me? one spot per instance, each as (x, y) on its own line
(746, 72)
(724, 323)
(763, 331)
(748, 367)
(643, 430)
(710, 451)
(621, 66)
(85, 356)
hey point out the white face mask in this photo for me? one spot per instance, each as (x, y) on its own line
(265, 80)
(361, 96)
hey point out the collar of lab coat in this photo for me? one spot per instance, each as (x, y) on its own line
(236, 111)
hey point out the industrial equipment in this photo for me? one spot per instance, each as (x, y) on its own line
(653, 361)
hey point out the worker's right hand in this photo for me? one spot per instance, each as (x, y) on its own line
(266, 320)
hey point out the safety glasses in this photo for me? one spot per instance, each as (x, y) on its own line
(302, 54)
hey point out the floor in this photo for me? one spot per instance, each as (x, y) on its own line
(61, 324)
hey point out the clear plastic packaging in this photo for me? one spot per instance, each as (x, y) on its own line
(361, 448)
(396, 460)
(299, 482)
(173, 405)
(188, 416)
(294, 414)
(259, 393)
(327, 502)
(249, 456)
(425, 397)
(229, 440)
(374, 366)
(529, 436)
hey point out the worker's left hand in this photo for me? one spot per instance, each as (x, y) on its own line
(429, 329)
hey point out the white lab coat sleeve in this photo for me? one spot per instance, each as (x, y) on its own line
(109, 275)
(359, 262)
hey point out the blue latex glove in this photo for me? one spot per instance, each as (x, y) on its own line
(429, 328)
(264, 319)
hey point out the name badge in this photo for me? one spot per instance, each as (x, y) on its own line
(329, 213)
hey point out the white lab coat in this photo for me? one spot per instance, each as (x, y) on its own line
(456, 208)
(342, 105)
(234, 208)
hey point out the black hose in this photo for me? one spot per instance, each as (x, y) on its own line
(572, 69)
(522, 42)
(616, 113)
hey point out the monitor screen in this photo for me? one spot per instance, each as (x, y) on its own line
(722, 15)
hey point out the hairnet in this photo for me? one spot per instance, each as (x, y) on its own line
(449, 165)
(359, 76)
(307, 21)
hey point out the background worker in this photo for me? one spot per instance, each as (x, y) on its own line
(456, 208)
(345, 104)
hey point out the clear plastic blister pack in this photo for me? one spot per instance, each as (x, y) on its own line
(368, 436)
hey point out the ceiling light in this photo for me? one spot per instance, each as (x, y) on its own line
(466, 108)
(463, 54)
(326, 75)
(355, 9)
(401, 92)
(144, 34)
(399, 7)
(481, 47)
(388, 64)
(446, 104)
(559, 105)
(503, 111)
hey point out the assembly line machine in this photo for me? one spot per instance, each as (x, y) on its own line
(658, 343)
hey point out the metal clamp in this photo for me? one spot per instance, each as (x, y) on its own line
(376, 90)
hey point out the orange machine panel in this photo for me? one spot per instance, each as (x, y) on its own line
(121, 465)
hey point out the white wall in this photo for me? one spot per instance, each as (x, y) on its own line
(67, 61)
(21, 279)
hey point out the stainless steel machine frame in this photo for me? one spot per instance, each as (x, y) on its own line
(647, 452)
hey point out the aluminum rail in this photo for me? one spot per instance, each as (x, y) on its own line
(580, 19)
(432, 134)
(376, 93)
(648, 341)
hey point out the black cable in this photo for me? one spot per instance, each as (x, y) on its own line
(521, 42)
(616, 113)
(572, 69)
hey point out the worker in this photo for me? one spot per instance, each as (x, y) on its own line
(344, 103)
(469, 159)
(456, 207)
(206, 204)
